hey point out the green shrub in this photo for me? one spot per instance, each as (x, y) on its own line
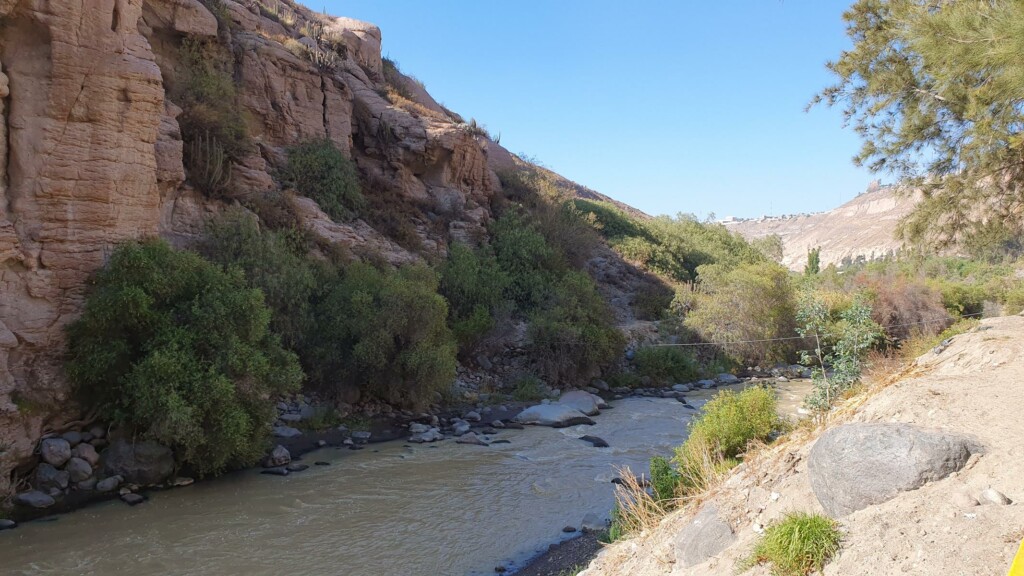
(664, 479)
(270, 262)
(526, 258)
(752, 305)
(798, 545)
(665, 364)
(624, 379)
(174, 349)
(319, 170)
(473, 284)
(652, 300)
(573, 337)
(212, 125)
(1014, 301)
(528, 389)
(385, 332)
(731, 420)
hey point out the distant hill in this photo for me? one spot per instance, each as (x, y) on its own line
(864, 226)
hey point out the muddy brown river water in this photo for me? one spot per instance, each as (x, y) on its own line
(428, 510)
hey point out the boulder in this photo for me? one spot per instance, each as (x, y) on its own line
(286, 432)
(279, 456)
(705, 536)
(361, 436)
(581, 401)
(460, 427)
(87, 484)
(143, 462)
(595, 441)
(55, 451)
(472, 416)
(430, 435)
(86, 452)
(78, 469)
(34, 499)
(7, 524)
(73, 437)
(417, 428)
(554, 415)
(858, 465)
(132, 499)
(728, 379)
(472, 438)
(109, 484)
(47, 478)
(706, 384)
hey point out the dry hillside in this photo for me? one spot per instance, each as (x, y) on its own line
(972, 389)
(864, 226)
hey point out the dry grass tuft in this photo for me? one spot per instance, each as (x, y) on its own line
(636, 509)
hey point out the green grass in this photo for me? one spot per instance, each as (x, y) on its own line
(528, 389)
(799, 545)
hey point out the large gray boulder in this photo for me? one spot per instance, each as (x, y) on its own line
(705, 536)
(142, 462)
(554, 415)
(584, 402)
(34, 499)
(858, 465)
(55, 451)
(47, 478)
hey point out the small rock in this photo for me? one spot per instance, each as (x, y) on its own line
(347, 442)
(47, 478)
(706, 384)
(417, 428)
(600, 385)
(7, 524)
(297, 467)
(431, 435)
(460, 428)
(497, 424)
(279, 456)
(109, 484)
(182, 481)
(321, 463)
(630, 354)
(995, 497)
(964, 500)
(73, 437)
(280, 471)
(286, 432)
(472, 416)
(500, 569)
(34, 499)
(472, 438)
(98, 432)
(361, 436)
(78, 469)
(681, 388)
(87, 484)
(55, 451)
(782, 379)
(502, 442)
(291, 418)
(281, 406)
(86, 437)
(321, 443)
(132, 499)
(86, 452)
(569, 529)
(595, 441)
(124, 491)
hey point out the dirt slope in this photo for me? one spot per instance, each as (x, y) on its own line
(864, 226)
(973, 387)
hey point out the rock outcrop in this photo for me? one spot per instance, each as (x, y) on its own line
(91, 154)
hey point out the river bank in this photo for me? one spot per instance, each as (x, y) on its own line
(549, 478)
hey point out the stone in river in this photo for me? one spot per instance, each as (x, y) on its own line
(279, 471)
(109, 484)
(297, 467)
(34, 499)
(595, 441)
(554, 415)
(132, 499)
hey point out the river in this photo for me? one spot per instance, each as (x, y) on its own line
(443, 509)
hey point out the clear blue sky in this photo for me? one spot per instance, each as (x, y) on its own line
(671, 106)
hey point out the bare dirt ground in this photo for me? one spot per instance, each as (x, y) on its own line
(975, 387)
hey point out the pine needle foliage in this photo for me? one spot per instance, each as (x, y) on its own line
(936, 92)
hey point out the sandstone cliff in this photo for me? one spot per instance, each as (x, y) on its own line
(864, 226)
(91, 154)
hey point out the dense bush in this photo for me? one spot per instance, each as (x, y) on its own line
(752, 305)
(798, 545)
(385, 332)
(664, 479)
(320, 171)
(174, 349)
(474, 285)
(212, 125)
(904, 306)
(525, 256)
(573, 337)
(731, 420)
(665, 364)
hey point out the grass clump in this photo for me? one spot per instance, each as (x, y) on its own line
(320, 171)
(665, 364)
(528, 389)
(175, 349)
(799, 545)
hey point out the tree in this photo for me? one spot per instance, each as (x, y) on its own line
(936, 91)
(813, 265)
(173, 348)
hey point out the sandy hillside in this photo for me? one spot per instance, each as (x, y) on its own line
(974, 387)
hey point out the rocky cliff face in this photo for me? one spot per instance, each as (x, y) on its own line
(91, 154)
(864, 226)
